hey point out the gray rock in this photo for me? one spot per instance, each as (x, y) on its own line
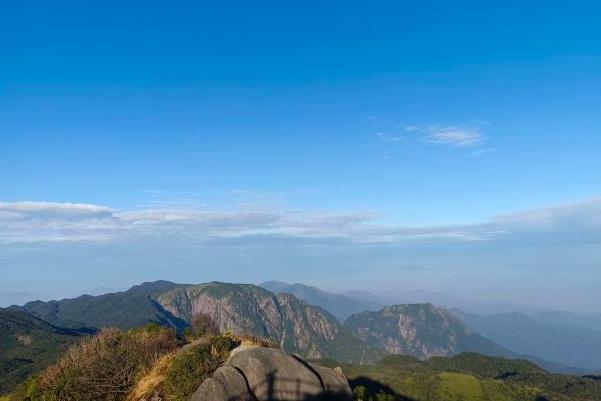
(226, 384)
(266, 374)
(335, 384)
(276, 375)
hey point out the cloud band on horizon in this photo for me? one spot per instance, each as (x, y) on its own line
(48, 222)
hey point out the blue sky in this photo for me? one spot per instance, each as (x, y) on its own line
(449, 146)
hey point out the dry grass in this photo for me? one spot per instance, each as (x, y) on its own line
(107, 366)
(152, 380)
(249, 341)
(138, 364)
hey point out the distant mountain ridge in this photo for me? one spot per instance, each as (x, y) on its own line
(591, 322)
(341, 306)
(569, 323)
(127, 309)
(565, 344)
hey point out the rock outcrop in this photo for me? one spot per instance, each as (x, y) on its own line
(266, 374)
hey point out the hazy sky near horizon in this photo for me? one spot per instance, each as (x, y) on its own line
(446, 146)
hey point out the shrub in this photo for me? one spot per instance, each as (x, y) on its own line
(258, 341)
(360, 393)
(105, 367)
(188, 371)
(202, 325)
(29, 390)
(191, 367)
(220, 345)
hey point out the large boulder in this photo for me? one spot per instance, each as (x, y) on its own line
(333, 381)
(267, 374)
(227, 383)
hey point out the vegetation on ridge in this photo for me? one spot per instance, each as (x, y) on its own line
(117, 365)
(125, 310)
(465, 377)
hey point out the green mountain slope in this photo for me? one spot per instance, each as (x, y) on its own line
(467, 376)
(28, 344)
(248, 309)
(128, 309)
(420, 330)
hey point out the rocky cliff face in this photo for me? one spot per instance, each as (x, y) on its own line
(420, 330)
(248, 309)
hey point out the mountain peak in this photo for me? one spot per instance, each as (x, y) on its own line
(420, 330)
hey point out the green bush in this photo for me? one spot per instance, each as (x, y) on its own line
(191, 367)
(29, 390)
(223, 344)
(360, 393)
(188, 371)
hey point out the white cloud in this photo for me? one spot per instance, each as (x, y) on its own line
(25, 209)
(454, 136)
(32, 222)
(582, 215)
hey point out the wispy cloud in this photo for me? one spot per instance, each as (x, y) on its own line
(457, 136)
(45, 222)
(453, 135)
(384, 137)
(482, 151)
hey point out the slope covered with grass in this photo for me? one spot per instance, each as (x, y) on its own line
(465, 377)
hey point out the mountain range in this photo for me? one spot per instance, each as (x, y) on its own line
(354, 301)
(559, 341)
(248, 309)
(312, 327)
(567, 344)
(304, 326)
(592, 322)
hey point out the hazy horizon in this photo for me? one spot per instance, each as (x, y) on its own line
(451, 148)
